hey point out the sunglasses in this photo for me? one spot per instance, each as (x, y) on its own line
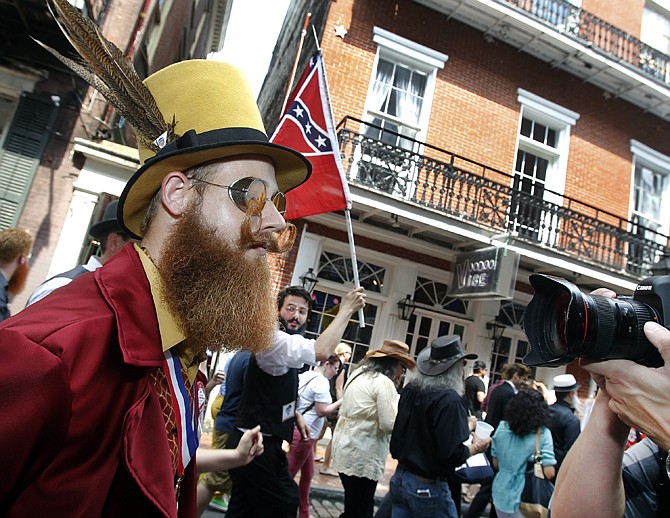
(244, 190)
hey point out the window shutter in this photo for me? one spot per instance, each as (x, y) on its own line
(21, 153)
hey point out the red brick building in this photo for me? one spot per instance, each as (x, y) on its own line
(539, 127)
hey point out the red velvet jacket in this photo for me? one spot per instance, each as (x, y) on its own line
(81, 430)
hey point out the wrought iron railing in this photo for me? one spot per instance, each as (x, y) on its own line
(453, 185)
(583, 25)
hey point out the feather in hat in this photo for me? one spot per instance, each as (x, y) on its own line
(105, 68)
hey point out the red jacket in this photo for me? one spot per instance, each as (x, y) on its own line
(81, 429)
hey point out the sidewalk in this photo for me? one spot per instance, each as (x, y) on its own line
(327, 494)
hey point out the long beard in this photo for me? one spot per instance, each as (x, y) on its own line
(219, 298)
(18, 280)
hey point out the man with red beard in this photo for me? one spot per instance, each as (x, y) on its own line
(113, 359)
(15, 246)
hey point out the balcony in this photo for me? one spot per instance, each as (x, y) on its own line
(459, 188)
(567, 18)
(574, 40)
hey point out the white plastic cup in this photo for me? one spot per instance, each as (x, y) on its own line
(483, 430)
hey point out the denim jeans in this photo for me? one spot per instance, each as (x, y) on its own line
(412, 497)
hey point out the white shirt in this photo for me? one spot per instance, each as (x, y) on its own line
(58, 282)
(313, 387)
(363, 431)
(287, 352)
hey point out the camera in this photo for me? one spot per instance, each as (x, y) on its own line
(562, 323)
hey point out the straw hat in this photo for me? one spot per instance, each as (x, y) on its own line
(393, 349)
(443, 352)
(216, 117)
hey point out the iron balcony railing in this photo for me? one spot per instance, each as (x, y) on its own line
(494, 200)
(583, 25)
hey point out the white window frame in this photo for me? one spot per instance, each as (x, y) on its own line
(651, 33)
(413, 55)
(560, 119)
(643, 155)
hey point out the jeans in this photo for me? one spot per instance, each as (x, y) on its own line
(301, 458)
(412, 497)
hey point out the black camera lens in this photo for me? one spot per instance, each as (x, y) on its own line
(558, 319)
(562, 324)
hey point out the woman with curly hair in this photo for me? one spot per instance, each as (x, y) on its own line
(514, 446)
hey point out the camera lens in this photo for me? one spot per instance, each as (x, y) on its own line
(562, 324)
(558, 320)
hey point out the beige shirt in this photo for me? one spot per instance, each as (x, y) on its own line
(363, 432)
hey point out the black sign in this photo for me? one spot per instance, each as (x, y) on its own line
(489, 273)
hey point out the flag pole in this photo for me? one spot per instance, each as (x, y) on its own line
(354, 263)
(347, 211)
(295, 62)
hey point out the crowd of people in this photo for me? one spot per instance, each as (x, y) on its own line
(112, 352)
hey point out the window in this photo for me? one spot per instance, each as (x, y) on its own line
(397, 98)
(655, 30)
(540, 166)
(325, 304)
(397, 110)
(513, 345)
(336, 268)
(649, 205)
(429, 321)
(21, 152)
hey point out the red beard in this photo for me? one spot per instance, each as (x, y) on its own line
(18, 280)
(219, 298)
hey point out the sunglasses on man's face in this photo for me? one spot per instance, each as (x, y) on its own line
(244, 190)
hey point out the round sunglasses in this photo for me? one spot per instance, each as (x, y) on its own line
(244, 190)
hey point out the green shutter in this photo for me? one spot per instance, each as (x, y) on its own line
(21, 153)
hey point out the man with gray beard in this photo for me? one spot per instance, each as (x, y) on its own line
(429, 432)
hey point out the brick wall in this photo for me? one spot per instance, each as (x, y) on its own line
(475, 112)
(624, 14)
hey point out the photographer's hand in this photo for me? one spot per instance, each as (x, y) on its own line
(640, 395)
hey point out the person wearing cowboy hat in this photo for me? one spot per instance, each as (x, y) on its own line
(429, 432)
(363, 430)
(563, 423)
(114, 358)
(108, 233)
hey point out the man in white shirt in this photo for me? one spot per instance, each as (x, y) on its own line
(265, 487)
(314, 403)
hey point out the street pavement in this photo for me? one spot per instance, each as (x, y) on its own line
(327, 494)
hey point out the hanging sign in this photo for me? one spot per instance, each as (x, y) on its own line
(489, 273)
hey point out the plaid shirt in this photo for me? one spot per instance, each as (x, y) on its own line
(643, 472)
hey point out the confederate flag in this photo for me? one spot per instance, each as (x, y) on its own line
(307, 126)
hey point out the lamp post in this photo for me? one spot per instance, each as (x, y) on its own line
(495, 329)
(308, 280)
(406, 308)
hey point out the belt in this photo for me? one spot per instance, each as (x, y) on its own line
(421, 478)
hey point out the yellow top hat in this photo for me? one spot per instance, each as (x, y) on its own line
(216, 117)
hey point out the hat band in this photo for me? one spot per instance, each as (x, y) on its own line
(444, 360)
(192, 139)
